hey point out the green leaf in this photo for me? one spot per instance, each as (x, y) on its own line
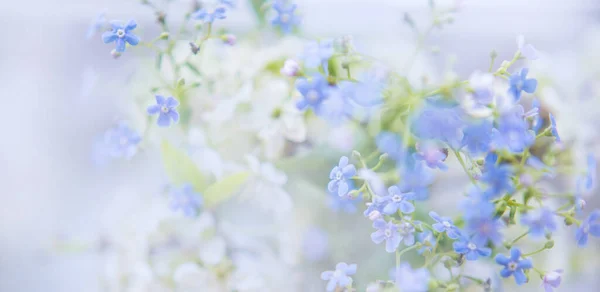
(275, 66)
(259, 10)
(224, 189)
(180, 168)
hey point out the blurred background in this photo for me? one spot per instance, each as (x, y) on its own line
(62, 90)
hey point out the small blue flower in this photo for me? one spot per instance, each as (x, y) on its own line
(165, 108)
(415, 177)
(388, 232)
(340, 175)
(478, 137)
(519, 82)
(344, 203)
(427, 240)
(512, 131)
(369, 91)
(514, 265)
(485, 228)
(186, 200)
(286, 20)
(553, 128)
(317, 54)
(440, 121)
(121, 35)
(336, 108)
(122, 141)
(391, 144)
(407, 229)
(539, 221)
(340, 277)
(432, 155)
(409, 280)
(209, 17)
(471, 248)
(313, 91)
(552, 280)
(496, 177)
(538, 121)
(444, 224)
(588, 226)
(397, 200)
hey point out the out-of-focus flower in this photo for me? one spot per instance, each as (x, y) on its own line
(317, 54)
(472, 248)
(122, 141)
(96, 26)
(397, 200)
(427, 240)
(588, 226)
(444, 224)
(165, 108)
(409, 280)
(514, 265)
(229, 39)
(186, 200)
(213, 251)
(209, 17)
(512, 131)
(526, 50)
(391, 144)
(552, 280)
(336, 108)
(518, 82)
(344, 203)
(286, 20)
(340, 175)
(539, 221)
(496, 177)
(478, 137)
(121, 34)
(314, 92)
(431, 154)
(191, 277)
(265, 188)
(388, 232)
(476, 101)
(340, 277)
(441, 122)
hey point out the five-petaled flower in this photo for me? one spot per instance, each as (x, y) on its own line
(539, 221)
(165, 108)
(122, 141)
(285, 19)
(444, 224)
(121, 34)
(519, 82)
(432, 155)
(514, 265)
(397, 200)
(186, 200)
(340, 175)
(340, 277)
(313, 92)
(208, 17)
(472, 248)
(591, 225)
(388, 232)
(552, 280)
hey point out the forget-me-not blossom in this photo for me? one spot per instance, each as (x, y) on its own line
(121, 34)
(340, 176)
(165, 108)
(340, 277)
(514, 265)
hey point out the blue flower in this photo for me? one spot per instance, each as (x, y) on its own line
(476, 205)
(427, 240)
(514, 265)
(344, 203)
(388, 232)
(314, 92)
(441, 122)
(186, 200)
(588, 182)
(209, 17)
(519, 82)
(496, 177)
(340, 277)
(369, 91)
(512, 131)
(409, 280)
(286, 20)
(415, 177)
(552, 280)
(229, 3)
(391, 144)
(336, 108)
(478, 137)
(340, 175)
(588, 226)
(538, 121)
(406, 229)
(121, 35)
(122, 141)
(526, 50)
(432, 155)
(485, 228)
(97, 24)
(472, 248)
(317, 54)
(397, 200)
(444, 224)
(539, 221)
(553, 128)
(165, 108)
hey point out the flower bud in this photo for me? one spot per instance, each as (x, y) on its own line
(229, 39)
(580, 203)
(290, 68)
(374, 215)
(549, 244)
(164, 36)
(115, 54)
(194, 48)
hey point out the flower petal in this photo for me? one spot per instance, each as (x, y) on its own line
(520, 277)
(109, 37)
(132, 39)
(131, 25)
(120, 45)
(174, 115)
(172, 102)
(515, 254)
(164, 120)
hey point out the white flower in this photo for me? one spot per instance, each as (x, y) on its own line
(527, 50)
(213, 251)
(189, 277)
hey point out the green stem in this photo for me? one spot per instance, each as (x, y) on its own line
(535, 252)
(519, 238)
(462, 163)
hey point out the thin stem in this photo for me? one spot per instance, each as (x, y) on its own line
(535, 252)
(519, 237)
(462, 163)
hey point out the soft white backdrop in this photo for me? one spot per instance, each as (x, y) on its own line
(49, 186)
